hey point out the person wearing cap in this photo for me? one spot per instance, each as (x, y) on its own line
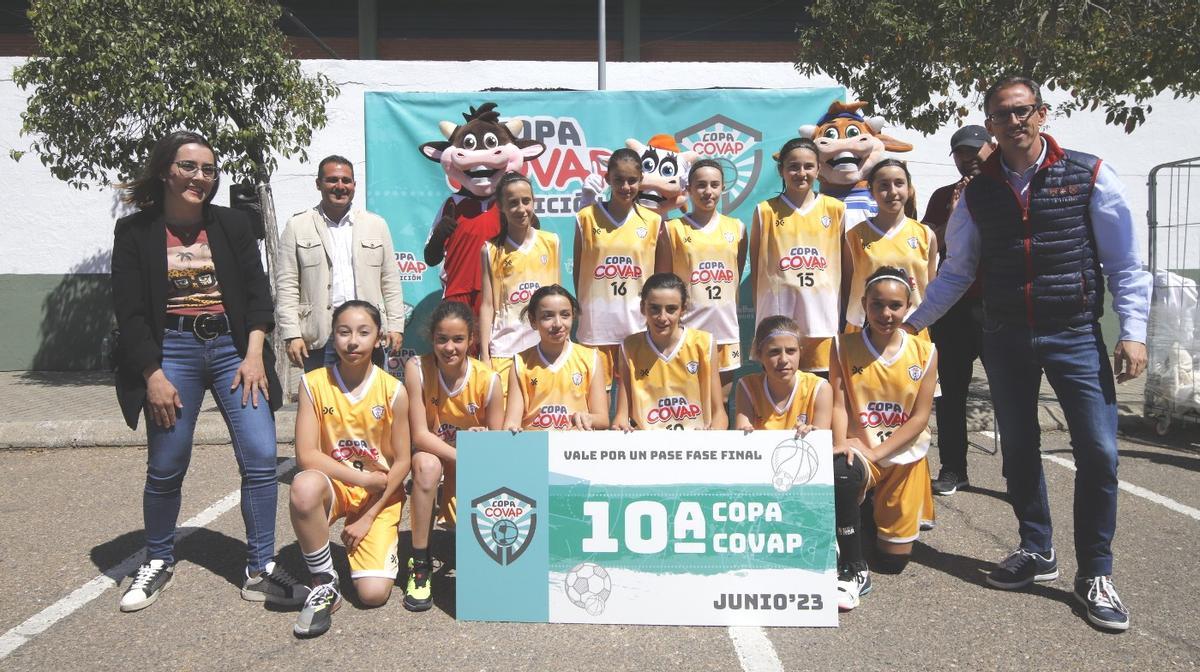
(1046, 227)
(957, 333)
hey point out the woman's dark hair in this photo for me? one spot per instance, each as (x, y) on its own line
(452, 309)
(625, 154)
(773, 325)
(910, 206)
(665, 281)
(146, 190)
(358, 303)
(529, 312)
(888, 273)
(706, 163)
(509, 178)
(789, 147)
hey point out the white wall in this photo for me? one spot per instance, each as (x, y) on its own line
(51, 228)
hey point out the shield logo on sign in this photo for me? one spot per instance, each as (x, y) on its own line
(504, 521)
(736, 146)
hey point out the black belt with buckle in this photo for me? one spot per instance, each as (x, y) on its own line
(205, 326)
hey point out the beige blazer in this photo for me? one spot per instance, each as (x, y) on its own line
(302, 304)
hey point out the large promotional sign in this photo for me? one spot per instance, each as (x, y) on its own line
(741, 129)
(722, 528)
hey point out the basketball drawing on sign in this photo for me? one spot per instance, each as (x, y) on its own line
(793, 462)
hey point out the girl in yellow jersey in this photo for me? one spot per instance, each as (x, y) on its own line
(614, 254)
(708, 250)
(783, 397)
(668, 373)
(891, 238)
(451, 392)
(556, 384)
(353, 452)
(883, 384)
(796, 254)
(519, 260)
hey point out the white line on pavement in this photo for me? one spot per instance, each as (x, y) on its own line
(41, 621)
(1132, 489)
(754, 650)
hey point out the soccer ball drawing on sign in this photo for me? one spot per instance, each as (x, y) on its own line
(588, 586)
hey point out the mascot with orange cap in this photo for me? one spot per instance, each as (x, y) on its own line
(664, 175)
(850, 146)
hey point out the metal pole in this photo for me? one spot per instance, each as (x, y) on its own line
(600, 75)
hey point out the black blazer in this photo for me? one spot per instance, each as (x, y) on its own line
(139, 291)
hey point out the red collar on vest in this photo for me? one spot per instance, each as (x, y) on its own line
(993, 168)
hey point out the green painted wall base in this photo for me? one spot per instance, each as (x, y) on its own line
(54, 322)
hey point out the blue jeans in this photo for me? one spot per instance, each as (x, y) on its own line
(193, 366)
(1076, 364)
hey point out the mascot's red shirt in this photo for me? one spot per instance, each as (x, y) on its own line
(478, 221)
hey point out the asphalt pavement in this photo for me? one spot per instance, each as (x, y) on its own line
(69, 516)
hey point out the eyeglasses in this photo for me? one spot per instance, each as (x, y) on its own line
(1021, 113)
(190, 168)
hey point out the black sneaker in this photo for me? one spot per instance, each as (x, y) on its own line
(949, 482)
(317, 614)
(274, 585)
(149, 581)
(419, 595)
(1104, 608)
(1022, 568)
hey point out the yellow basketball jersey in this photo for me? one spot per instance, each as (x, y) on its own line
(799, 408)
(905, 246)
(615, 258)
(705, 257)
(517, 271)
(555, 390)
(670, 390)
(355, 429)
(799, 271)
(449, 411)
(883, 392)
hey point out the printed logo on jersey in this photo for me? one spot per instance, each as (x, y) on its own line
(729, 237)
(826, 221)
(882, 414)
(577, 378)
(504, 522)
(641, 232)
(523, 292)
(618, 267)
(912, 242)
(736, 146)
(803, 259)
(348, 450)
(472, 407)
(914, 372)
(545, 260)
(693, 366)
(447, 432)
(712, 272)
(377, 412)
(673, 410)
(552, 416)
(411, 268)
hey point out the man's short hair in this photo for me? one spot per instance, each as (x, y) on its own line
(334, 158)
(1026, 82)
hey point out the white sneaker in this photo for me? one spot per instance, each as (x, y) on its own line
(852, 585)
(274, 585)
(149, 581)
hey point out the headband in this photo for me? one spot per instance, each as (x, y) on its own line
(903, 281)
(781, 332)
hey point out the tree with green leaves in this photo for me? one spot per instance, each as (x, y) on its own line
(114, 76)
(916, 61)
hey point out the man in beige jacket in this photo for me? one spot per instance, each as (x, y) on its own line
(328, 255)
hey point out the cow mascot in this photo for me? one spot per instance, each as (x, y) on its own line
(664, 175)
(850, 146)
(474, 155)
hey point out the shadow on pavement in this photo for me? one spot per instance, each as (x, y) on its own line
(966, 569)
(218, 553)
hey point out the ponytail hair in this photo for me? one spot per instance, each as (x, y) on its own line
(529, 312)
(449, 310)
(789, 147)
(509, 178)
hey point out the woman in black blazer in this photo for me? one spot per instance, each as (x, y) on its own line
(194, 307)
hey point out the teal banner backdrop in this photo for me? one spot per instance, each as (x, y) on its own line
(580, 129)
(604, 527)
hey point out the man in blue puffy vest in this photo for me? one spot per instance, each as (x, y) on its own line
(1047, 227)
